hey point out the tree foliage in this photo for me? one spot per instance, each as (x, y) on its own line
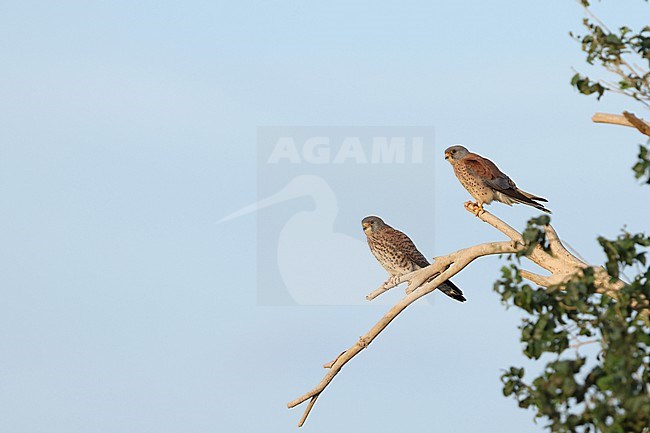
(624, 57)
(594, 348)
(606, 391)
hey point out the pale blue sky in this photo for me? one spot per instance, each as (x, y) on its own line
(128, 128)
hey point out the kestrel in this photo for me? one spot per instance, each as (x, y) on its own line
(485, 182)
(398, 255)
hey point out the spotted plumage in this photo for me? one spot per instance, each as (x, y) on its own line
(485, 182)
(398, 255)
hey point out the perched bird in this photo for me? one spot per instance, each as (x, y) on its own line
(485, 182)
(398, 255)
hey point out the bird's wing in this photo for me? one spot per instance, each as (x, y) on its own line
(488, 172)
(405, 245)
(494, 178)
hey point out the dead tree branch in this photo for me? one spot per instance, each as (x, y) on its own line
(454, 263)
(627, 119)
(560, 263)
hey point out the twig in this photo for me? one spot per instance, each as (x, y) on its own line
(388, 285)
(536, 278)
(309, 406)
(583, 343)
(331, 363)
(593, 16)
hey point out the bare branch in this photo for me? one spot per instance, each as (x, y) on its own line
(389, 285)
(536, 278)
(350, 353)
(495, 222)
(626, 119)
(309, 407)
(420, 279)
(331, 363)
(561, 264)
(557, 248)
(583, 343)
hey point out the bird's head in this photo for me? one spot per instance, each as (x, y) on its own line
(371, 223)
(455, 153)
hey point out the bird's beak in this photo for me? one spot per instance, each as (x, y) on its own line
(365, 225)
(447, 155)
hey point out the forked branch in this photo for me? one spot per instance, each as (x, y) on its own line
(560, 263)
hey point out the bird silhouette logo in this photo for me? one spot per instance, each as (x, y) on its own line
(318, 265)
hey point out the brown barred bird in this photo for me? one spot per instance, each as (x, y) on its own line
(485, 182)
(398, 255)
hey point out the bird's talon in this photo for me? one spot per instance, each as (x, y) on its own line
(392, 282)
(474, 207)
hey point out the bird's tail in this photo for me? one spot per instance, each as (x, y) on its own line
(530, 199)
(451, 290)
(533, 197)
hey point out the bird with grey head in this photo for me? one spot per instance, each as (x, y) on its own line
(485, 182)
